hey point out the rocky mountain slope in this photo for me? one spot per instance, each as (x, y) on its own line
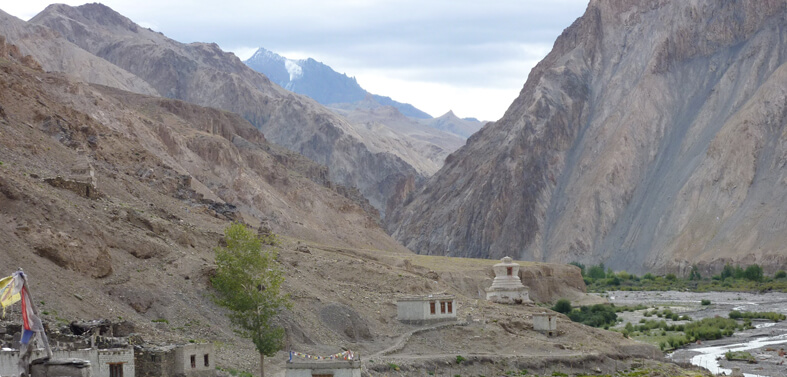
(650, 138)
(56, 53)
(112, 202)
(386, 128)
(449, 122)
(203, 74)
(320, 82)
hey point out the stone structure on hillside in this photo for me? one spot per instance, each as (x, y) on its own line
(419, 310)
(190, 360)
(333, 368)
(545, 323)
(507, 288)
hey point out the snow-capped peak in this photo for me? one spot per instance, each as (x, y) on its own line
(293, 69)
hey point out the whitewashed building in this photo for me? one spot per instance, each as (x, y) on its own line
(545, 323)
(425, 309)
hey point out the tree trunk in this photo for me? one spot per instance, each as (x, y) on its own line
(262, 364)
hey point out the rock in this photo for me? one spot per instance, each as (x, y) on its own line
(123, 329)
(101, 326)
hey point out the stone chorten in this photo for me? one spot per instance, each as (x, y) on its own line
(507, 288)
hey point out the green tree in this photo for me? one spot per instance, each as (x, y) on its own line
(727, 272)
(248, 282)
(753, 273)
(597, 272)
(695, 273)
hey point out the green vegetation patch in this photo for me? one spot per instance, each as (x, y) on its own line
(739, 356)
(773, 316)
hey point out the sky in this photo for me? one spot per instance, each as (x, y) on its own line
(469, 56)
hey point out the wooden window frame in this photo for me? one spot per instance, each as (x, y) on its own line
(115, 369)
(432, 309)
(206, 358)
(442, 307)
(193, 361)
(450, 307)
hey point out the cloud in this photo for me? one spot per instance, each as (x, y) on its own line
(456, 44)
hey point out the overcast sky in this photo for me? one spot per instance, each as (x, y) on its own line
(466, 55)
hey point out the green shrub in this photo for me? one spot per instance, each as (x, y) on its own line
(596, 316)
(711, 328)
(780, 275)
(562, 306)
(705, 302)
(459, 359)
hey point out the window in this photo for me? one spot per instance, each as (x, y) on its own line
(193, 361)
(510, 271)
(431, 307)
(116, 370)
(322, 375)
(207, 361)
(450, 309)
(442, 307)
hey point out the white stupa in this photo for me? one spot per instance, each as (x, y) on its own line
(507, 288)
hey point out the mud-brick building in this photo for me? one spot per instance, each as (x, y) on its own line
(419, 310)
(190, 360)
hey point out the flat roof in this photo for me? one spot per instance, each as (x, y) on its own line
(427, 298)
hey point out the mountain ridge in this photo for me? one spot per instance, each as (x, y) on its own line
(320, 82)
(202, 73)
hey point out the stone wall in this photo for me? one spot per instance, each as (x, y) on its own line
(202, 355)
(335, 368)
(155, 362)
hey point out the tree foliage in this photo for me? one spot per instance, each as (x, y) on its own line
(248, 282)
(597, 272)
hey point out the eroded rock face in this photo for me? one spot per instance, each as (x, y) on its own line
(650, 138)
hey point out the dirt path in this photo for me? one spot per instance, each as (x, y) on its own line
(401, 341)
